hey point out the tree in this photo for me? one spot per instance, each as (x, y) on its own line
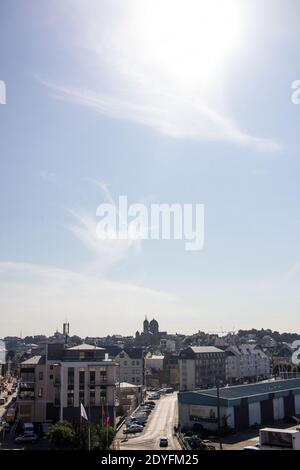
(61, 435)
(106, 436)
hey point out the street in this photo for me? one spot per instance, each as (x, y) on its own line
(160, 423)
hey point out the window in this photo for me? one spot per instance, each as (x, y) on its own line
(70, 376)
(92, 378)
(40, 375)
(51, 377)
(40, 392)
(81, 380)
(133, 363)
(70, 399)
(92, 398)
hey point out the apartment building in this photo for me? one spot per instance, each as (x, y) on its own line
(53, 385)
(201, 367)
(246, 362)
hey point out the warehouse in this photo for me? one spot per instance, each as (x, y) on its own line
(241, 406)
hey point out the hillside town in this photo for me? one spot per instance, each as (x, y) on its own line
(192, 387)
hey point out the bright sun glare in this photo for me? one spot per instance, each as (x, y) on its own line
(188, 41)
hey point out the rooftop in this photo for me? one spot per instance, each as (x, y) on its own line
(34, 360)
(243, 391)
(85, 347)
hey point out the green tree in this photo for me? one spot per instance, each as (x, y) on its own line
(61, 436)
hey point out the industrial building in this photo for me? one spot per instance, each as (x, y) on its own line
(240, 406)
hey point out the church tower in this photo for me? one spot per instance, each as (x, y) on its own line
(146, 325)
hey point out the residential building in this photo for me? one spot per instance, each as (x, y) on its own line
(131, 365)
(201, 367)
(246, 362)
(53, 385)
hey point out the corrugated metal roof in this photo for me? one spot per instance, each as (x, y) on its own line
(241, 391)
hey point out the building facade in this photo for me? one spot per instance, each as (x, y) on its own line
(201, 367)
(131, 366)
(241, 407)
(246, 363)
(52, 386)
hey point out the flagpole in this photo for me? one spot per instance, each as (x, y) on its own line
(106, 424)
(89, 422)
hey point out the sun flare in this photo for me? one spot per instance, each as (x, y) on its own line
(188, 41)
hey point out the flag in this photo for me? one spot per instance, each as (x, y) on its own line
(83, 412)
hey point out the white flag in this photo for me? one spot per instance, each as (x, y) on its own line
(83, 412)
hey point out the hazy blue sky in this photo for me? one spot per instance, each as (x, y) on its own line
(164, 101)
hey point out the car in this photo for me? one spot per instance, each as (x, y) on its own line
(155, 396)
(27, 437)
(163, 442)
(150, 403)
(256, 447)
(145, 409)
(133, 429)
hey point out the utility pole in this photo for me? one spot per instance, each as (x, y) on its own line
(219, 414)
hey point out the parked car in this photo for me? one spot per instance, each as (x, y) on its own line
(27, 437)
(133, 429)
(149, 403)
(145, 409)
(163, 442)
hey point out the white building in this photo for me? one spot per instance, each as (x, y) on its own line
(131, 365)
(246, 362)
(154, 362)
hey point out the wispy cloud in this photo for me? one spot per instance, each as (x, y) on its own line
(176, 116)
(105, 253)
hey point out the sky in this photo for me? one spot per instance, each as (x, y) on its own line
(165, 101)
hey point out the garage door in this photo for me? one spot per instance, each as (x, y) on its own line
(297, 404)
(278, 407)
(254, 413)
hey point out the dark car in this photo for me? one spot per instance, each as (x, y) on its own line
(149, 403)
(163, 442)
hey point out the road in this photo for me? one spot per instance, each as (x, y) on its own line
(160, 423)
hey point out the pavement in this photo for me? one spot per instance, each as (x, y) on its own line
(160, 423)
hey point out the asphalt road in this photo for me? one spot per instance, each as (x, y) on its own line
(160, 423)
